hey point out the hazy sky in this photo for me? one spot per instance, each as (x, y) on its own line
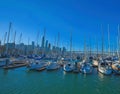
(82, 17)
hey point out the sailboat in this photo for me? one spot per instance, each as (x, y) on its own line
(68, 67)
(116, 60)
(38, 66)
(104, 66)
(95, 58)
(86, 66)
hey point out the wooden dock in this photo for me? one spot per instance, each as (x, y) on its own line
(12, 66)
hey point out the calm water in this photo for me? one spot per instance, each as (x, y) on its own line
(22, 81)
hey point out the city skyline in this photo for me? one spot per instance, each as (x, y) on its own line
(82, 18)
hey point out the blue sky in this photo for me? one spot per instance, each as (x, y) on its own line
(82, 17)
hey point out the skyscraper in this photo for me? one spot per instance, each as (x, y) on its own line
(46, 44)
(43, 42)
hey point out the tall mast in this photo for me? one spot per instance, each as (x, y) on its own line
(96, 45)
(102, 40)
(117, 50)
(10, 25)
(90, 47)
(20, 38)
(108, 41)
(14, 37)
(5, 38)
(118, 40)
(55, 41)
(58, 39)
(85, 48)
(71, 45)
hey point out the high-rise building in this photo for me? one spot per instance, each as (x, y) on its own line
(46, 44)
(43, 42)
(33, 44)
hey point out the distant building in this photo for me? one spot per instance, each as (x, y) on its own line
(10, 45)
(33, 44)
(46, 44)
(64, 50)
(43, 42)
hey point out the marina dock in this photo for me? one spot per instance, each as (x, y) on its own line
(12, 66)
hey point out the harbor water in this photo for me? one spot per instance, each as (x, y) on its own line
(23, 81)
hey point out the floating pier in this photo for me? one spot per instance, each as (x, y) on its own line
(12, 66)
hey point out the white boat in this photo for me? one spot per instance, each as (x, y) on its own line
(68, 67)
(42, 66)
(37, 66)
(86, 68)
(104, 68)
(53, 66)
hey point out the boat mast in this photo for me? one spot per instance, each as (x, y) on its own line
(71, 45)
(20, 38)
(90, 47)
(14, 37)
(20, 43)
(84, 48)
(58, 39)
(5, 38)
(108, 41)
(118, 41)
(96, 46)
(102, 40)
(117, 46)
(10, 25)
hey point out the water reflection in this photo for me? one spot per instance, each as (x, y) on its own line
(64, 73)
(101, 76)
(5, 72)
